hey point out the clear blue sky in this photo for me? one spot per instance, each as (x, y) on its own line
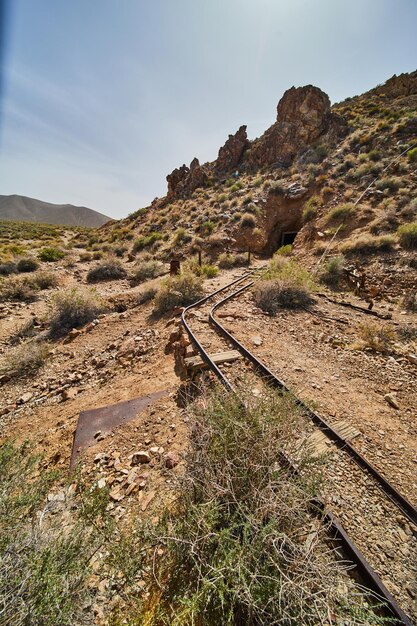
(101, 99)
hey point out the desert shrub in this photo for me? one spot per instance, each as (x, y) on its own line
(44, 280)
(85, 257)
(178, 291)
(7, 268)
(145, 271)
(340, 212)
(376, 337)
(284, 250)
(407, 234)
(277, 187)
(247, 221)
(288, 269)
(275, 293)
(109, 269)
(25, 360)
(252, 208)
(73, 308)
(181, 236)
(367, 244)
(20, 289)
(332, 272)
(234, 547)
(204, 270)
(392, 183)
(45, 552)
(146, 295)
(227, 261)
(206, 228)
(51, 254)
(27, 265)
(412, 155)
(310, 209)
(145, 241)
(409, 302)
(119, 251)
(374, 155)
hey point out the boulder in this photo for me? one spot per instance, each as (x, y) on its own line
(303, 115)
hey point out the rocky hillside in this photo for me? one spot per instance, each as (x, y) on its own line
(299, 182)
(20, 208)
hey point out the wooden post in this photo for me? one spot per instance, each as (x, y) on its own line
(249, 252)
(199, 258)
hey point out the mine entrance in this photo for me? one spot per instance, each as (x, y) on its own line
(288, 237)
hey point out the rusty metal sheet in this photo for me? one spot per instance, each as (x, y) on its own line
(106, 418)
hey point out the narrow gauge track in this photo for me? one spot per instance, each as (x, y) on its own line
(215, 337)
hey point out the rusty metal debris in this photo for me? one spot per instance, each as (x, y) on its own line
(105, 419)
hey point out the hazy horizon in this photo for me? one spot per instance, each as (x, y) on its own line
(101, 100)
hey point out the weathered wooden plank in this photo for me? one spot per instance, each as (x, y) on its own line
(196, 362)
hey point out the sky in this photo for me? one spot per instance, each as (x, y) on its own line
(101, 99)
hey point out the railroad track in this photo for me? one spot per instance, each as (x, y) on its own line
(369, 494)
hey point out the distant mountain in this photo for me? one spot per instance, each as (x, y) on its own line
(21, 208)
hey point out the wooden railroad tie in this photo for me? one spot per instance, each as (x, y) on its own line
(194, 363)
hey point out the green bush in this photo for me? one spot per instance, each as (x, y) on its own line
(27, 265)
(284, 250)
(110, 269)
(412, 155)
(310, 208)
(145, 241)
(332, 272)
(407, 234)
(145, 271)
(51, 254)
(341, 212)
(73, 308)
(206, 228)
(178, 291)
(391, 183)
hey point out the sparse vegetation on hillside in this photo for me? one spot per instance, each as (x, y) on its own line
(73, 308)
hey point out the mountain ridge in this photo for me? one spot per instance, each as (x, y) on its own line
(16, 207)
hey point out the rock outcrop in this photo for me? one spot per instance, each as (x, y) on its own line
(230, 155)
(303, 115)
(183, 180)
(396, 86)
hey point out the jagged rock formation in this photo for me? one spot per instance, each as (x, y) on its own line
(396, 86)
(230, 155)
(303, 115)
(183, 180)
